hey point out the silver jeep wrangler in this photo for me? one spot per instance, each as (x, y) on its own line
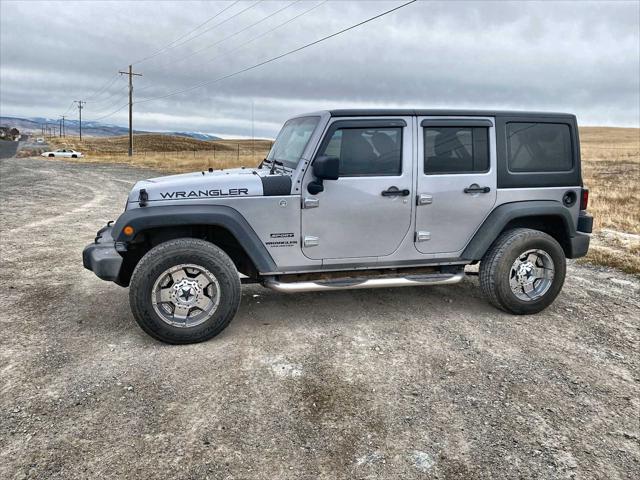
(356, 199)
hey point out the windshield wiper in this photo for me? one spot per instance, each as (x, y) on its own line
(275, 162)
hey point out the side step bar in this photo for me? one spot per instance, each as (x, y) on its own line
(358, 283)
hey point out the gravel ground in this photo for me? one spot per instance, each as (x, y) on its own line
(381, 384)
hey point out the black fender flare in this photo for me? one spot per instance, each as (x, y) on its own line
(503, 214)
(145, 218)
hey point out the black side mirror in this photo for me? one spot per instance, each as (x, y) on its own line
(324, 168)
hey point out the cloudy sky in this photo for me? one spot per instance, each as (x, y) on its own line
(580, 57)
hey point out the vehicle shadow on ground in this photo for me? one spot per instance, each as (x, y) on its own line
(109, 313)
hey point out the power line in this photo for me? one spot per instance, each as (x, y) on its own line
(242, 45)
(103, 88)
(172, 64)
(69, 108)
(121, 107)
(168, 45)
(106, 99)
(252, 40)
(203, 31)
(181, 59)
(278, 57)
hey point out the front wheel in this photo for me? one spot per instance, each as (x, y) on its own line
(523, 271)
(184, 291)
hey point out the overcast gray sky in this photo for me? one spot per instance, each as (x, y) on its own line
(580, 57)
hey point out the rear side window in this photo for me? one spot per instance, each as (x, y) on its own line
(367, 151)
(539, 147)
(456, 150)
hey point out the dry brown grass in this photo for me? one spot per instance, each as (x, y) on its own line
(610, 165)
(611, 170)
(168, 153)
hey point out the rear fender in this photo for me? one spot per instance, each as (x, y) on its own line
(502, 215)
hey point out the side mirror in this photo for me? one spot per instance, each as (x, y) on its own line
(324, 168)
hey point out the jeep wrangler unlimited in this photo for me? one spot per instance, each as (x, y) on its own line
(356, 199)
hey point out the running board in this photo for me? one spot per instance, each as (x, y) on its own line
(358, 283)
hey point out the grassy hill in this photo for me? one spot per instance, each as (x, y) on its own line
(152, 142)
(169, 153)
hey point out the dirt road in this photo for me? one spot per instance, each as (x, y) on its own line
(382, 384)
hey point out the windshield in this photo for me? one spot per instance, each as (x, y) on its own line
(292, 140)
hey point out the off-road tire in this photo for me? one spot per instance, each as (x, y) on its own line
(178, 252)
(495, 269)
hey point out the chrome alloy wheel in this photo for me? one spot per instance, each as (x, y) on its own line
(185, 295)
(531, 275)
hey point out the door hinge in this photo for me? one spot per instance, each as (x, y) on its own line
(311, 241)
(423, 236)
(310, 202)
(424, 199)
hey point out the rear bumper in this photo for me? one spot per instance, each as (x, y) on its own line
(580, 243)
(102, 258)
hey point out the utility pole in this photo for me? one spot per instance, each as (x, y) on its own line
(131, 75)
(62, 132)
(80, 107)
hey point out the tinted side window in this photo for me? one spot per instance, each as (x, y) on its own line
(539, 147)
(367, 151)
(456, 150)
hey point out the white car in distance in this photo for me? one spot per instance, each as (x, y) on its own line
(63, 153)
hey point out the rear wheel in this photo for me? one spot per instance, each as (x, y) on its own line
(184, 291)
(51, 155)
(523, 271)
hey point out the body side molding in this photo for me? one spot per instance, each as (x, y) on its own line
(142, 219)
(276, 185)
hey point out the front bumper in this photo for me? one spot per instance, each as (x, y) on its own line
(101, 257)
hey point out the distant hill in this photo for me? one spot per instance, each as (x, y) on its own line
(163, 143)
(33, 125)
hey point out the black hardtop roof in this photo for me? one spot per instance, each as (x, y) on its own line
(367, 112)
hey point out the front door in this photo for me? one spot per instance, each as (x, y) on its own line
(456, 172)
(367, 211)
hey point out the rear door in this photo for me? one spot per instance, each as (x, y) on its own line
(456, 187)
(367, 211)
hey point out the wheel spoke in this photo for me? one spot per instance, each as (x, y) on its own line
(178, 275)
(528, 289)
(181, 312)
(532, 258)
(203, 303)
(542, 273)
(202, 280)
(165, 295)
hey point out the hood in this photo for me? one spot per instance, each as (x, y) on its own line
(215, 184)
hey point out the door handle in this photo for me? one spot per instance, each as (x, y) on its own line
(395, 192)
(475, 188)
